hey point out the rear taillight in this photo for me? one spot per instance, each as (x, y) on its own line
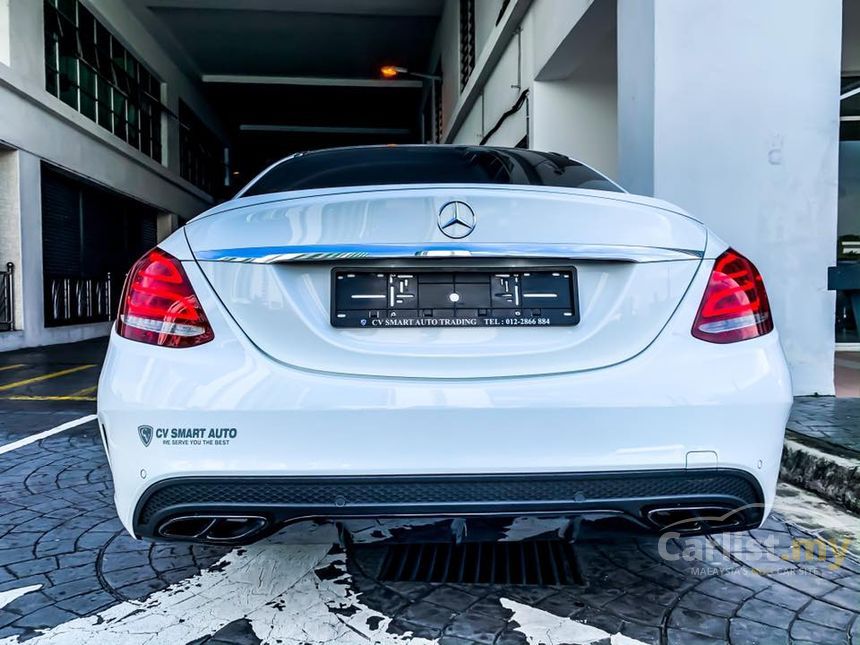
(158, 305)
(735, 305)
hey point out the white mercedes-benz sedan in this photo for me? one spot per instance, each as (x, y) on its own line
(497, 341)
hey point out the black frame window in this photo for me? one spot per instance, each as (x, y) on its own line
(201, 153)
(87, 68)
(467, 40)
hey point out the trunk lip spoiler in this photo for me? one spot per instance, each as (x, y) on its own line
(337, 252)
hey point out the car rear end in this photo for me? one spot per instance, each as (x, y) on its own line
(334, 355)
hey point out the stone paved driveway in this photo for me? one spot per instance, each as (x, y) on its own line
(828, 419)
(69, 574)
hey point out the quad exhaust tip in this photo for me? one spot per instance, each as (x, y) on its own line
(695, 519)
(213, 528)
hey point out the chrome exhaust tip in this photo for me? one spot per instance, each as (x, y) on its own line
(213, 528)
(696, 519)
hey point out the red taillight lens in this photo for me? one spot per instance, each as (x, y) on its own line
(158, 305)
(735, 305)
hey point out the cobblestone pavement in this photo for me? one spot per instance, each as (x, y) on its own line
(828, 419)
(69, 574)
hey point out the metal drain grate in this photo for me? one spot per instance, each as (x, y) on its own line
(546, 562)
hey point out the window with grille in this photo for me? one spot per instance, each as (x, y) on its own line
(467, 40)
(201, 155)
(90, 70)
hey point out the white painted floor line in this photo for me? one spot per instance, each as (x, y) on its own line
(543, 628)
(276, 589)
(13, 594)
(272, 586)
(47, 433)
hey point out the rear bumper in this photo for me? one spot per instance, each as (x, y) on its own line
(700, 407)
(682, 405)
(680, 500)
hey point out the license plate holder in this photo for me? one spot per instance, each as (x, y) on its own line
(379, 298)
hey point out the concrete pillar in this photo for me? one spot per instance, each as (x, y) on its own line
(10, 226)
(32, 296)
(730, 109)
(21, 243)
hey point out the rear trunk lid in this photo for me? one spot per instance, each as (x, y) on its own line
(271, 260)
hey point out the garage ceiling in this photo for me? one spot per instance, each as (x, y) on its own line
(257, 42)
(337, 38)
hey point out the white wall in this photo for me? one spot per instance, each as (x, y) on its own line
(486, 12)
(636, 78)
(472, 130)
(578, 116)
(5, 35)
(554, 22)
(510, 77)
(496, 92)
(740, 127)
(569, 73)
(499, 91)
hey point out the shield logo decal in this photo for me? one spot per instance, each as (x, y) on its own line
(145, 433)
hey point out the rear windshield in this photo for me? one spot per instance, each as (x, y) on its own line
(427, 165)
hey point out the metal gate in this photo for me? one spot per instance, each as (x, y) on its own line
(90, 238)
(76, 300)
(7, 298)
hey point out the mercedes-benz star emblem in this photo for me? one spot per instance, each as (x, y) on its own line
(457, 219)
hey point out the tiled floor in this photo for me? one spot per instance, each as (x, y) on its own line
(832, 420)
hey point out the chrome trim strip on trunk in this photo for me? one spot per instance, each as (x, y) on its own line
(333, 252)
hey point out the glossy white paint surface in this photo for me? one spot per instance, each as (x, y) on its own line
(482, 415)
(284, 310)
(406, 215)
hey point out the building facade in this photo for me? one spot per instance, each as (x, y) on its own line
(119, 119)
(729, 109)
(93, 161)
